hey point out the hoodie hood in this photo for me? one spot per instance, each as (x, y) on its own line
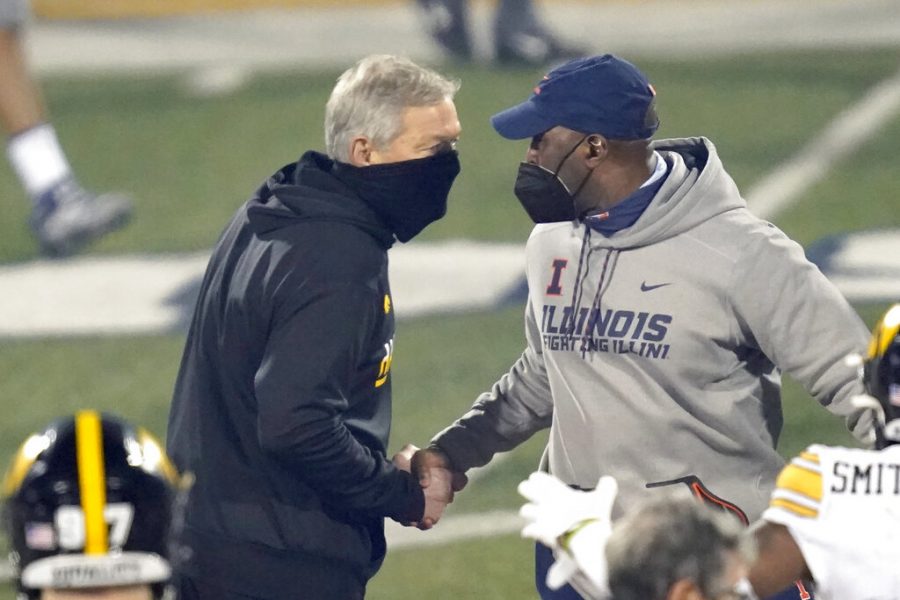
(696, 189)
(308, 191)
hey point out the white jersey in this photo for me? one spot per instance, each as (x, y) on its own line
(842, 507)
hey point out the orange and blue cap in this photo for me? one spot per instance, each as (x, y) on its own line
(600, 94)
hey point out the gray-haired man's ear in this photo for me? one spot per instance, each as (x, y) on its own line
(361, 152)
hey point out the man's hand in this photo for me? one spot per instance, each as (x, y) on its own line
(438, 494)
(424, 460)
(402, 460)
(430, 466)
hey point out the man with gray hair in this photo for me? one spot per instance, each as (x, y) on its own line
(282, 406)
(676, 548)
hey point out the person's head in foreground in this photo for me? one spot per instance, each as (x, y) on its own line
(87, 507)
(675, 548)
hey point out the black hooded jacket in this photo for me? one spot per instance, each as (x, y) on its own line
(282, 406)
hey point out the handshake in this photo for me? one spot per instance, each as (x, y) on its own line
(439, 482)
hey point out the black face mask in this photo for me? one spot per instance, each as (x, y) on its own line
(407, 195)
(542, 193)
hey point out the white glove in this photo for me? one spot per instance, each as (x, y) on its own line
(555, 508)
(587, 546)
(561, 571)
(575, 524)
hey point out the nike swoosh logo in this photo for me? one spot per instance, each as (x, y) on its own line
(647, 288)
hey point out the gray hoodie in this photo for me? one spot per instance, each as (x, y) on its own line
(669, 374)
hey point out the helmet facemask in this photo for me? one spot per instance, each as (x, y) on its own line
(880, 371)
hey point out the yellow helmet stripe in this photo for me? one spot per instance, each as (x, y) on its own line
(885, 332)
(22, 463)
(17, 472)
(92, 480)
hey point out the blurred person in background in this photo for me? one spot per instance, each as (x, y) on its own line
(64, 215)
(282, 406)
(661, 311)
(519, 36)
(87, 509)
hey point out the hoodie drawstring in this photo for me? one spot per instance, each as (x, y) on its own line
(583, 263)
(609, 266)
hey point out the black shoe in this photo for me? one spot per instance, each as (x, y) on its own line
(447, 23)
(534, 48)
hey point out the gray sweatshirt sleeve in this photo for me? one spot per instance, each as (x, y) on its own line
(515, 408)
(802, 323)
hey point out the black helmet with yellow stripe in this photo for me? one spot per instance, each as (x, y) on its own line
(881, 370)
(88, 504)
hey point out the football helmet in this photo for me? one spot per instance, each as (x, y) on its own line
(88, 504)
(881, 372)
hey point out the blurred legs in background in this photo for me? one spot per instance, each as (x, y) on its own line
(65, 216)
(519, 37)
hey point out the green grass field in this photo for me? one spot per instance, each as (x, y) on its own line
(191, 162)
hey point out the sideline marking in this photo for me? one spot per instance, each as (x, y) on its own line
(105, 9)
(848, 131)
(144, 294)
(864, 265)
(454, 528)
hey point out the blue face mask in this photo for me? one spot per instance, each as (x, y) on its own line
(543, 195)
(409, 195)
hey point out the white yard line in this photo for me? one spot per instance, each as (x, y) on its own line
(137, 294)
(454, 528)
(846, 133)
